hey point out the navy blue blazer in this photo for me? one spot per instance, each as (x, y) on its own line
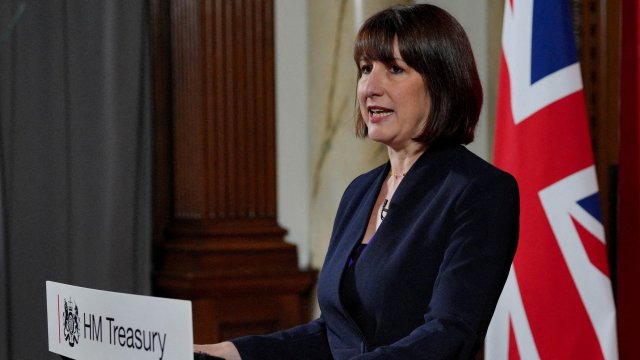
(430, 280)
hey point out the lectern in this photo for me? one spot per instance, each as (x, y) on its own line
(196, 356)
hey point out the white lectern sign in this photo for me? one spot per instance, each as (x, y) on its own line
(93, 324)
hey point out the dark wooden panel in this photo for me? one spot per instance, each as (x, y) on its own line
(223, 109)
(189, 138)
(218, 241)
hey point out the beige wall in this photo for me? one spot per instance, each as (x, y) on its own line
(318, 154)
(292, 122)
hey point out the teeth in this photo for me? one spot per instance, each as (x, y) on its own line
(380, 112)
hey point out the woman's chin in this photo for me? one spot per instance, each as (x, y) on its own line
(379, 139)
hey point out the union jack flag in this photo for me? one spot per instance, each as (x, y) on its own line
(557, 302)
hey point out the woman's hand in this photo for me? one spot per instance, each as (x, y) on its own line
(224, 350)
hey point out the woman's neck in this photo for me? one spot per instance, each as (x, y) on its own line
(401, 160)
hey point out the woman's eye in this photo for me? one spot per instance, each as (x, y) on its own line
(365, 68)
(395, 69)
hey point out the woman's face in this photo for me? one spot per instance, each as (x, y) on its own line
(393, 101)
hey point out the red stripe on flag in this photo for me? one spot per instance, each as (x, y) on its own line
(596, 250)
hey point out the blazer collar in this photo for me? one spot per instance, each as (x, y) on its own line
(426, 166)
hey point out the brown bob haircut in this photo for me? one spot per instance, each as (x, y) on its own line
(433, 43)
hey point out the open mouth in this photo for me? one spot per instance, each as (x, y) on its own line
(377, 113)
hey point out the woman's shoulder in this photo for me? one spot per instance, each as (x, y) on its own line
(458, 167)
(368, 178)
(363, 182)
(473, 180)
(464, 161)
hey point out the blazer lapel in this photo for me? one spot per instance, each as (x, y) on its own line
(358, 222)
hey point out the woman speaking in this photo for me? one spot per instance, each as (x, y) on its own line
(422, 245)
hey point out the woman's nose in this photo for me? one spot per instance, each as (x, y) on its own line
(372, 84)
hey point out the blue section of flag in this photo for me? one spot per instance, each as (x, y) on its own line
(592, 205)
(553, 46)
